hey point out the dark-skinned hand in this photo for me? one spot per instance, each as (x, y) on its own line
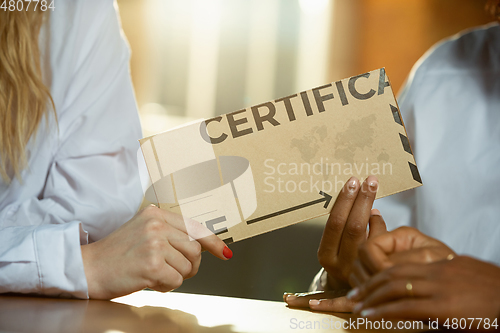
(344, 231)
(459, 288)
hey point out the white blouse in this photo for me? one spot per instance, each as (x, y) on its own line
(82, 179)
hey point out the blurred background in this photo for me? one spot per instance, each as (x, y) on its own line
(200, 58)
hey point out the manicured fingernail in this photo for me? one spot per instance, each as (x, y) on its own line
(375, 212)
(227, 252)
(285, 295)
(291, 298)
(372, 182)
(353, 293)
(357, 307)
(314, 302)
(352, 184)
(367, 312)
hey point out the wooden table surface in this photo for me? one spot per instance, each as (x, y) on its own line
(149, 311)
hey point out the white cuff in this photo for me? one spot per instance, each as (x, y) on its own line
(59, 260)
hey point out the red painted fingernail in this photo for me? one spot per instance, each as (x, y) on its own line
(227, 252)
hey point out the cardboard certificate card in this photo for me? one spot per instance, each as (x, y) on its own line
(284, 161)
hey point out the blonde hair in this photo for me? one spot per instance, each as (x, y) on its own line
(24, 98)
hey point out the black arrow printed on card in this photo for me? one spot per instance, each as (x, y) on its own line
(326, 198)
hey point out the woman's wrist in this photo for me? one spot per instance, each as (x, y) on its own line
(90, 274)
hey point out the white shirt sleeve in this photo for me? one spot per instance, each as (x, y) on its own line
(82, 180)
(43, 259)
